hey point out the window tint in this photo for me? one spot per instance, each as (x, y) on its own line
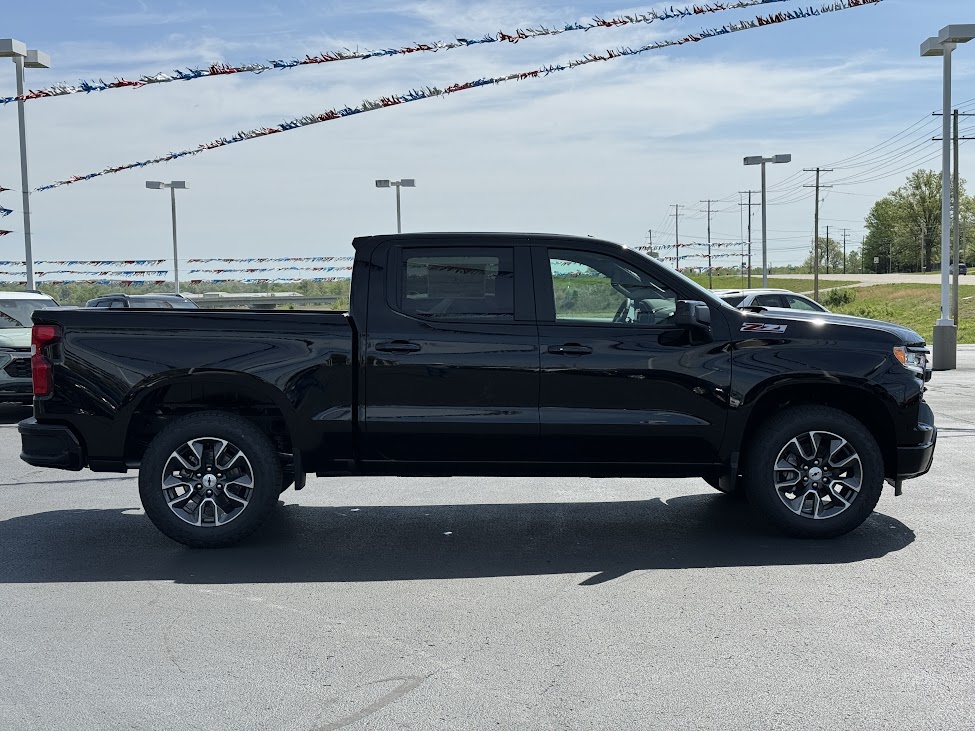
(801, 303)
(767, 300)
(455, 285)
(591, 287)
(734, 301)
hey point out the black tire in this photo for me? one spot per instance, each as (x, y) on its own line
(259, 456)
(774, 438)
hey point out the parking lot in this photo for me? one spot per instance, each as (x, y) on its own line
(491, 603)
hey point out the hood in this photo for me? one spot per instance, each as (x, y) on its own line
(904, 334)
(15, 337)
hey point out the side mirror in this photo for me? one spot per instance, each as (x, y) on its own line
(693, 314)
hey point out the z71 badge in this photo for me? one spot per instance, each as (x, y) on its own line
(762, 327)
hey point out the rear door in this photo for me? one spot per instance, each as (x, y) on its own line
(620, 381)
(451, 362)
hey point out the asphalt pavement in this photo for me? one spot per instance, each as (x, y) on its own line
(491, 603)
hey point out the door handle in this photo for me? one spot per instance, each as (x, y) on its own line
(570, 349)
(397, 346)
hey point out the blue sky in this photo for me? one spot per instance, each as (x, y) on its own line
(604, 150)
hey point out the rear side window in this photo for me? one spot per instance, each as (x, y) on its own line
(456, 284)
(734, 301)
(767, 300)
(800, 303)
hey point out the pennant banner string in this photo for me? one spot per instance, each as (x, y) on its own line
(164, 272)
(142, 282)
(222, 69)
(156, 262)
(430, 92)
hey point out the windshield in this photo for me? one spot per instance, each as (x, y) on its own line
(16, 313)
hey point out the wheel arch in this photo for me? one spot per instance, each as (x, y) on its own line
(858, 401)
(155, 402)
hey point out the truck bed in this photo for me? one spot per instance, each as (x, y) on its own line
(119, 370)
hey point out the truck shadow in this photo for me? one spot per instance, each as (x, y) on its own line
(394, 543)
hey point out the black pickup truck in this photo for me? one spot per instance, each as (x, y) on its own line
(484, 354)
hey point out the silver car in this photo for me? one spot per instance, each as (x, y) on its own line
(769, 298)
(15, 329)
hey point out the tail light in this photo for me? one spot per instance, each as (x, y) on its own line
(40, 365)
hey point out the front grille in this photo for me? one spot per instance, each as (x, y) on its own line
(18, 368)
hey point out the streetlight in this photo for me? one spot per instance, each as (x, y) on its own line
(759, 160)
(173, 187)
(404, 183)
(945, 357)
(24, 58)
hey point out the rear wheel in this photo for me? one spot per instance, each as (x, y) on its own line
(209, 479)
(814, 471)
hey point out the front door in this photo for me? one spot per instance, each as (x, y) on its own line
(621, 382)
(452, 363)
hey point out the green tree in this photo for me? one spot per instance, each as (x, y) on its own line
(904, 227)
(830, 257)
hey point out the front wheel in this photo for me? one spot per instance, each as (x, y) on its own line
(814, 471)
(209, 479)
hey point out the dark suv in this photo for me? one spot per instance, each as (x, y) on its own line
(143, 301)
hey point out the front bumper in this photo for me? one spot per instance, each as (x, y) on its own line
(50, 445)
(915, 460)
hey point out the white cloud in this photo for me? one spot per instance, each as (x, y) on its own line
(602, 150)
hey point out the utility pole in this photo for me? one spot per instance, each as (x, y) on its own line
(827, 248)
(749, 233)
(957, 232)
(844, 251)
(710, 268)
(818, 171)
(677, 237)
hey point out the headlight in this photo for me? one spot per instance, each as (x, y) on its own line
(914, 359)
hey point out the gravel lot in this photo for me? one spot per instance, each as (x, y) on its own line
(490, 603)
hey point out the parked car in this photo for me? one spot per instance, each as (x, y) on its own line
(15, 333)
(143, 301)
(962, 268)
(484, 354)
(769, 298)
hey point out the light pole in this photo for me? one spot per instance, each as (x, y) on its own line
(945, 356)
(404, 183)
(24, 58)
(173, 187)
(759, 160)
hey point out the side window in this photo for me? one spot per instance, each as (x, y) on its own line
(767, 300)
(458, 284)
(799, 303)
(596, 288)
(117, 305)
